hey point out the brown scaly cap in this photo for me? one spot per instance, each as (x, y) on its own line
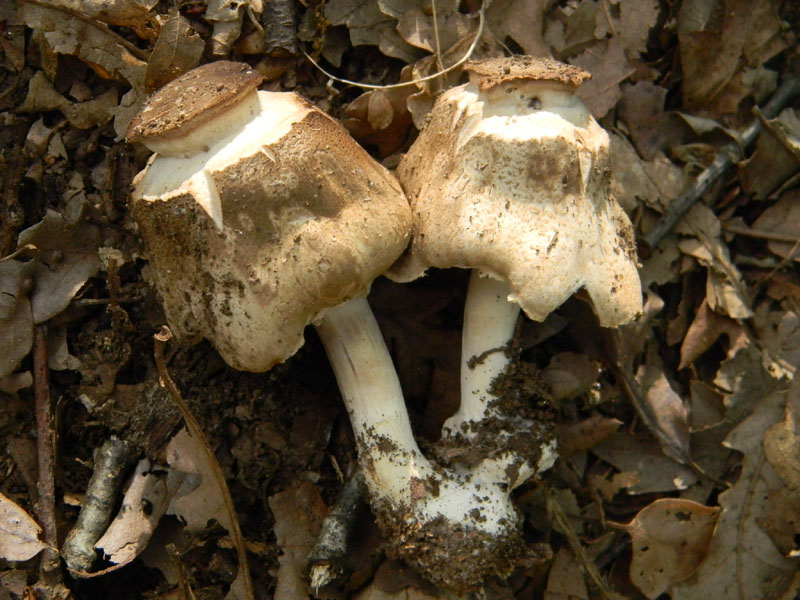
(193, 99)
(491, 72)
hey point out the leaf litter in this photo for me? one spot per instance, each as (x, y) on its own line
(680, 430)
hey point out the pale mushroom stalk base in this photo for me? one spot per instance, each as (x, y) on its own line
(456, 526)
(492, 432)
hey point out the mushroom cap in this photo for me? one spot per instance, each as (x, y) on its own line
(253, 238)
(192, 100)
(513, 177)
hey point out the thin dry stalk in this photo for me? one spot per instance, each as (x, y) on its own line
(161, 338)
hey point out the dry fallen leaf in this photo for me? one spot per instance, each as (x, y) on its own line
(775, 159)
(42, 96)
(19, 533)
(608, 66)
(670, 538)
(783, 218)
(195, 495)
(298, 513)
(642, 110)
(712, 45)
(177, 50)
(641, 454)
(520, 20)
(742, 562)
(782, 445)
(67, 258)
(566, 579)
(744, 380)
(67, 32)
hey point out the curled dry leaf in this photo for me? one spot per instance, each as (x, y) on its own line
(16, 320)
(380, 117)
(585, 434)
(705, 330)
(725, 289)
(68, 32)
(67, 258)
(667, 415)
(570, 375)
(143, 504)
(776, 157)
(19, 533)
(670, 539)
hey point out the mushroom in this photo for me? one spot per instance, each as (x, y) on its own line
(261, 215)
(510, 178)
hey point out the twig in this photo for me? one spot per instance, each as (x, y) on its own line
(437, 45)
(328, 554)
(760, 234)
(557, 514)
(49, 568)
(369, 86)
(161, 338)
(22, 249)
(102, 494)
(725, 158)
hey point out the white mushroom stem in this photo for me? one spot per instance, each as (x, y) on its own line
(400, 478)
(490, 318)
(489, 323)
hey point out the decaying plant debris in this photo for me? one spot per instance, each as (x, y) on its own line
(677, 430)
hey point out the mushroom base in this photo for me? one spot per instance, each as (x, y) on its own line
(452, 556)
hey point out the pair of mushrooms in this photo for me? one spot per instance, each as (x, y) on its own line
(261, 215)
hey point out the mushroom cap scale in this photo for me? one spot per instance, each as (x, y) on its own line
(304, 220)
(490, 72)
(193, 100)
(514, 180)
